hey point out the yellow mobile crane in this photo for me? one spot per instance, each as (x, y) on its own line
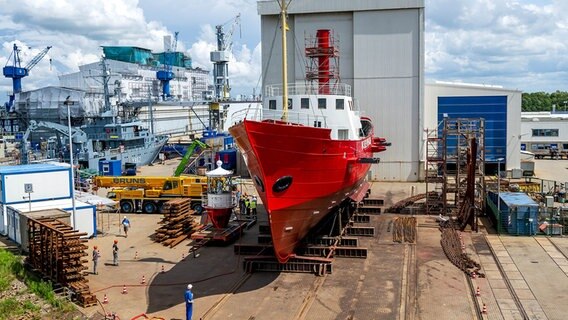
(147, 194)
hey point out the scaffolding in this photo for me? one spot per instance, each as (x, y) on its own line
(447, 150)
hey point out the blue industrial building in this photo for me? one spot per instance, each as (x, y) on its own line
(500, 108)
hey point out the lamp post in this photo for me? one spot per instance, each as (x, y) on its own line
(68, 103)
(499, 194)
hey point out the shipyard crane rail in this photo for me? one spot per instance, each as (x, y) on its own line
(16, 72)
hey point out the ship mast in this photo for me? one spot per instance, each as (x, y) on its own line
(283, 9)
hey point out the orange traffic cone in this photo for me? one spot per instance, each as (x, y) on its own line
(478, 292)
(105, 300)
(484, 310)
(143, 280)
(182, 256)
(124, 289)
(163, 269)
(473, 274)
(136, 255)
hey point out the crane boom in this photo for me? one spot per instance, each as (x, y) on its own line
(37, 58)
(16, 72)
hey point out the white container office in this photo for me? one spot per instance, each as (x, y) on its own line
(32, 183)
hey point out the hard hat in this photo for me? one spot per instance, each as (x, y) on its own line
(124, 217)
(115, 241)
(94, 247)
(189, 286)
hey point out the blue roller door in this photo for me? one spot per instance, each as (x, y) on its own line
(491, 108)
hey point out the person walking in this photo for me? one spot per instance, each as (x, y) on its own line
(126, 225)
(253, 207)
(115, 253)
(188, 302)
(96, 256)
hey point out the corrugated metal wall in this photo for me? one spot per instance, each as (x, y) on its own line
(491, 108)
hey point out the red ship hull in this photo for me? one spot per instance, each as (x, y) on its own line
(323, 172)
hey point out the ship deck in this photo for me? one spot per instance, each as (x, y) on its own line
(525, 276)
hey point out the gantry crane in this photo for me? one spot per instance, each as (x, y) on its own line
(16, 72)
(220, 59)
(166, 74)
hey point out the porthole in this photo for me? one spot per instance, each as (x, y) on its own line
(282, 184)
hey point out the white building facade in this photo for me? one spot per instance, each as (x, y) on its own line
(543, 131)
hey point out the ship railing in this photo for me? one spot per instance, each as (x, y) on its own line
(305, 118)
(338, 89)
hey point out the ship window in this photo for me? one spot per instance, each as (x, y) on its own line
(272, 104)
(565, 146)
(339, 104)
(305, 103)
(322, 103)
(343, 134)
(290, 103)
(545, 132)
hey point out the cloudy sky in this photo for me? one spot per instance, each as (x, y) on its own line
(518, 44)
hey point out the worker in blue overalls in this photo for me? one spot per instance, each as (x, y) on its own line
(188, 302)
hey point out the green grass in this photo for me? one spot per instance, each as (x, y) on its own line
(10, 308)
(7, 262)
(11, 267)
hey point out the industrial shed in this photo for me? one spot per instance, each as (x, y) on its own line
(542, 132)
(500, 107)
(381, 48)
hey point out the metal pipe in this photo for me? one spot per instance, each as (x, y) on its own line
(72, 167)
(499, 195)
(283, 8)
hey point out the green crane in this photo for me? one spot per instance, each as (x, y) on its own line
(187, 156)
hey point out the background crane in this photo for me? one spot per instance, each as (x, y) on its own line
(16, 72)
(166, 74)
(220, 58)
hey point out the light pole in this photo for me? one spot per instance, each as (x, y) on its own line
(499, 194)
(68, 103)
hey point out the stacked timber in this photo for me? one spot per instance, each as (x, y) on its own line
(178, 223)
(58, 253)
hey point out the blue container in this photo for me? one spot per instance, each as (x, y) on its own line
(229, 158)
(110, 167)
(519, 212)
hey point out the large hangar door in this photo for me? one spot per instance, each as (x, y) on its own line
(491, 108)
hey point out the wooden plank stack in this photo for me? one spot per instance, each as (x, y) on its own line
(178, 223)
(58, 253)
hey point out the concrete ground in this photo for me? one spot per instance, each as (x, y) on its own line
(396, 281)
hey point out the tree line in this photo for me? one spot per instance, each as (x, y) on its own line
(543, 101)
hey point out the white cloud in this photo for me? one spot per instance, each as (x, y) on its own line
(517, 44)
(514, 43)
(76, 30)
